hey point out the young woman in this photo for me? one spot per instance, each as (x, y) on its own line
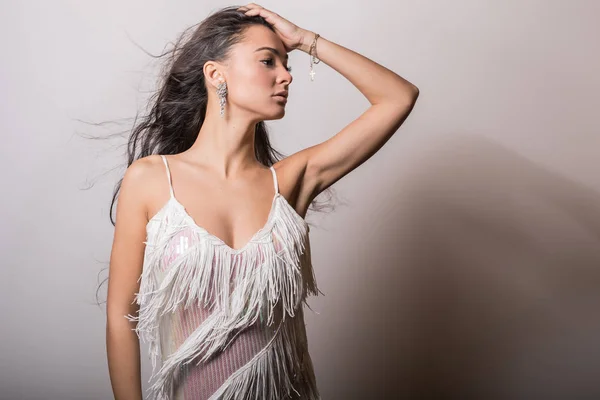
(210, 262)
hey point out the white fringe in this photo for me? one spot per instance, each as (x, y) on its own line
(272, 373)
(264, 278)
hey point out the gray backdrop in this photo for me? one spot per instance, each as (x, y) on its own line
(464, 261)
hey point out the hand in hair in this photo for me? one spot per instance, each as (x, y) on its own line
(291, 35)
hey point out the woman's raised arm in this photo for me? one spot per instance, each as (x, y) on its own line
(392, 99)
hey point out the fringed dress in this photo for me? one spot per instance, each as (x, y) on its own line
(224, 323)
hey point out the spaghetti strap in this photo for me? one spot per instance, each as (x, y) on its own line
(275, 184)
(168, 175)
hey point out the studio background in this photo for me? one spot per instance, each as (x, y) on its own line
(463, 260)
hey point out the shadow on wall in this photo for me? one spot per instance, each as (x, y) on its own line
(487, 286)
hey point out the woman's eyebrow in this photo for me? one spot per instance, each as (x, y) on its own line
(272, 50)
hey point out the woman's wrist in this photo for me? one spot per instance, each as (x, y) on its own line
(307, 39)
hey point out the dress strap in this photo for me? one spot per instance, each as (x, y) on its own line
(275, 184)
(168, 174)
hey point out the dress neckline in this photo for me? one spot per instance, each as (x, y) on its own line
(199, 227)
(268, 225)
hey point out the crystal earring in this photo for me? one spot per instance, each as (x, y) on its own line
(222, 93)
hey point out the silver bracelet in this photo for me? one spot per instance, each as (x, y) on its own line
(312, 52)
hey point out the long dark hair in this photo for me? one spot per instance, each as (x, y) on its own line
(177, 109)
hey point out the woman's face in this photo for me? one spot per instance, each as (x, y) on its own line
(256, 72)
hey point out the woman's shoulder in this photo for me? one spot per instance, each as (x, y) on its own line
(145, 169)
(147, 178)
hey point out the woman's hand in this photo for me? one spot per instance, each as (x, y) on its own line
(291, 35)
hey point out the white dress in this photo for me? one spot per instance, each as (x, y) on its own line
(226, 323)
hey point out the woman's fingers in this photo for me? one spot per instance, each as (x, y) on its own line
(269, 16)
(255, 9)
(249, 6)
(287, 31)
(253, 5)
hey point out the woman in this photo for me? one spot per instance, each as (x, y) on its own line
(216, 291)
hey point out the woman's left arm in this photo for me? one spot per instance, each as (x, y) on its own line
(392, 98)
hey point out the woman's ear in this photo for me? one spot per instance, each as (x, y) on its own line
(212, 73)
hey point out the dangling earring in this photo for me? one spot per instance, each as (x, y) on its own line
(222, 93)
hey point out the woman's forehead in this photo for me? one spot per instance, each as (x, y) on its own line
(258, 38)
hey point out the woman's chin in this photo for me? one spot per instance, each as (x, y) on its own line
(278, 114)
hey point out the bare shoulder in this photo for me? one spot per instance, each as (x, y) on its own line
(142, 180)
(296, 181)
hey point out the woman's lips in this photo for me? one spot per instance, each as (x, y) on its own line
(281, 98)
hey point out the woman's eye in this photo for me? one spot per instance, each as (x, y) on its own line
(269, 61)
